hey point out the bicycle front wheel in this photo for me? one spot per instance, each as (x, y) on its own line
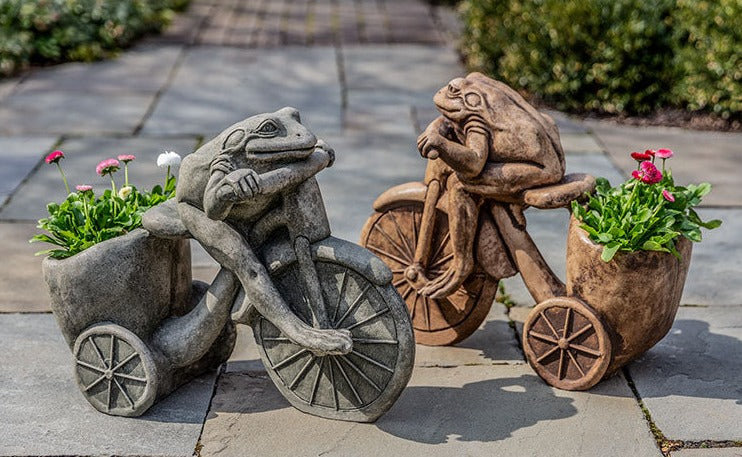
(359, 386)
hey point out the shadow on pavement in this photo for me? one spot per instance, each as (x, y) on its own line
(479, 411)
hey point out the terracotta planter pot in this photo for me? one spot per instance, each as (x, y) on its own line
(636, 294)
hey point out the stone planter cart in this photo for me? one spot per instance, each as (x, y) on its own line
(139, 327)
(579, 333)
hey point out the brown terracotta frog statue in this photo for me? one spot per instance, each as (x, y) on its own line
(489, 144)
(221, 197)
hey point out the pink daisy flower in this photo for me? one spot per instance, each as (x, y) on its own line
(107, 167)
(664, 153)
(54, 157)
(647, 173)
(83, 188)
(126, 158)
(668, 196)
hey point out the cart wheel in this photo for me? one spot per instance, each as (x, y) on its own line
(567, 344)
(115, 370)
(359, 386)
(392, 235)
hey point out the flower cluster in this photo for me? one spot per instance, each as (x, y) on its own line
(647, 212)
(83, 219)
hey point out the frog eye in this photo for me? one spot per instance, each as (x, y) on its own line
(453, 90)
(267, 128)
(472, 100)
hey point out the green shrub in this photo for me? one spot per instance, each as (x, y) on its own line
(709, 39)
(48, 31)
(614, 56)
(600, 55)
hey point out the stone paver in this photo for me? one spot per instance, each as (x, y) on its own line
(18, 157)
(711, 452)
(690, 381)
(466, 410)
(216, 87)
(715, 157)
(81, 157)
(21, 286)
(44, 413)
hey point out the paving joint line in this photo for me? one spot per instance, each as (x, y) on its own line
(199, 446)
(60, 140)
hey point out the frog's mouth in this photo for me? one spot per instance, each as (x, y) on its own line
(282, 154)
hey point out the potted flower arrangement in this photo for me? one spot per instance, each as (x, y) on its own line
(104, 266)
(628, 252)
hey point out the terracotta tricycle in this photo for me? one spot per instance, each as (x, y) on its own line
(451, 238)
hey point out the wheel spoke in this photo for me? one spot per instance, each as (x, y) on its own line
(585, 349)
(387, 254)
(334, 388)
(289, 359)
(543, 337)
(574, 360)
(110, 389)
(98, 351)
(561, 364)
(400, 250)
(370, 318)
(110, 351)
(580, 332)
(547, 354)
(399, 283)
(92, 367)
(315, 384)
(374, 341)
(441, 246)
(130, 377)
(567, 315)
(414, 302)
(95, 383)
(410, 249)
(301, 373)
(372, 361)
(340, 296)
(347, 381)
(442, 260)
(548, 322)
(125, 361)
(360, 373)
(353, 306)
(121, 388)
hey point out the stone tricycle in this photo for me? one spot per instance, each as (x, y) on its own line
(332, 332)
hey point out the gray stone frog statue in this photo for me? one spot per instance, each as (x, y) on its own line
(333, 333)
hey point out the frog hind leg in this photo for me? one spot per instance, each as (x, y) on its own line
(463, 215)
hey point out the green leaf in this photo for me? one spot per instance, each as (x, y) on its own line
(609, 250)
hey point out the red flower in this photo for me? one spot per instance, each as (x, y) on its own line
(651, 152)
(107, 166)
(54, 157)
(126, 158)
(668, 196)
(641, 156)
(664, 153)
(648, 173)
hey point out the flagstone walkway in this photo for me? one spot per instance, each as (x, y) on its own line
(362, 74)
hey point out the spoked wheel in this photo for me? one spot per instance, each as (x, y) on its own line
(566, 343)
(115, 370)
(392, 236)
(359, 386)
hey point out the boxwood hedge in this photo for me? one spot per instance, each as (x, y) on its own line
(614, 56)
(48, 31)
